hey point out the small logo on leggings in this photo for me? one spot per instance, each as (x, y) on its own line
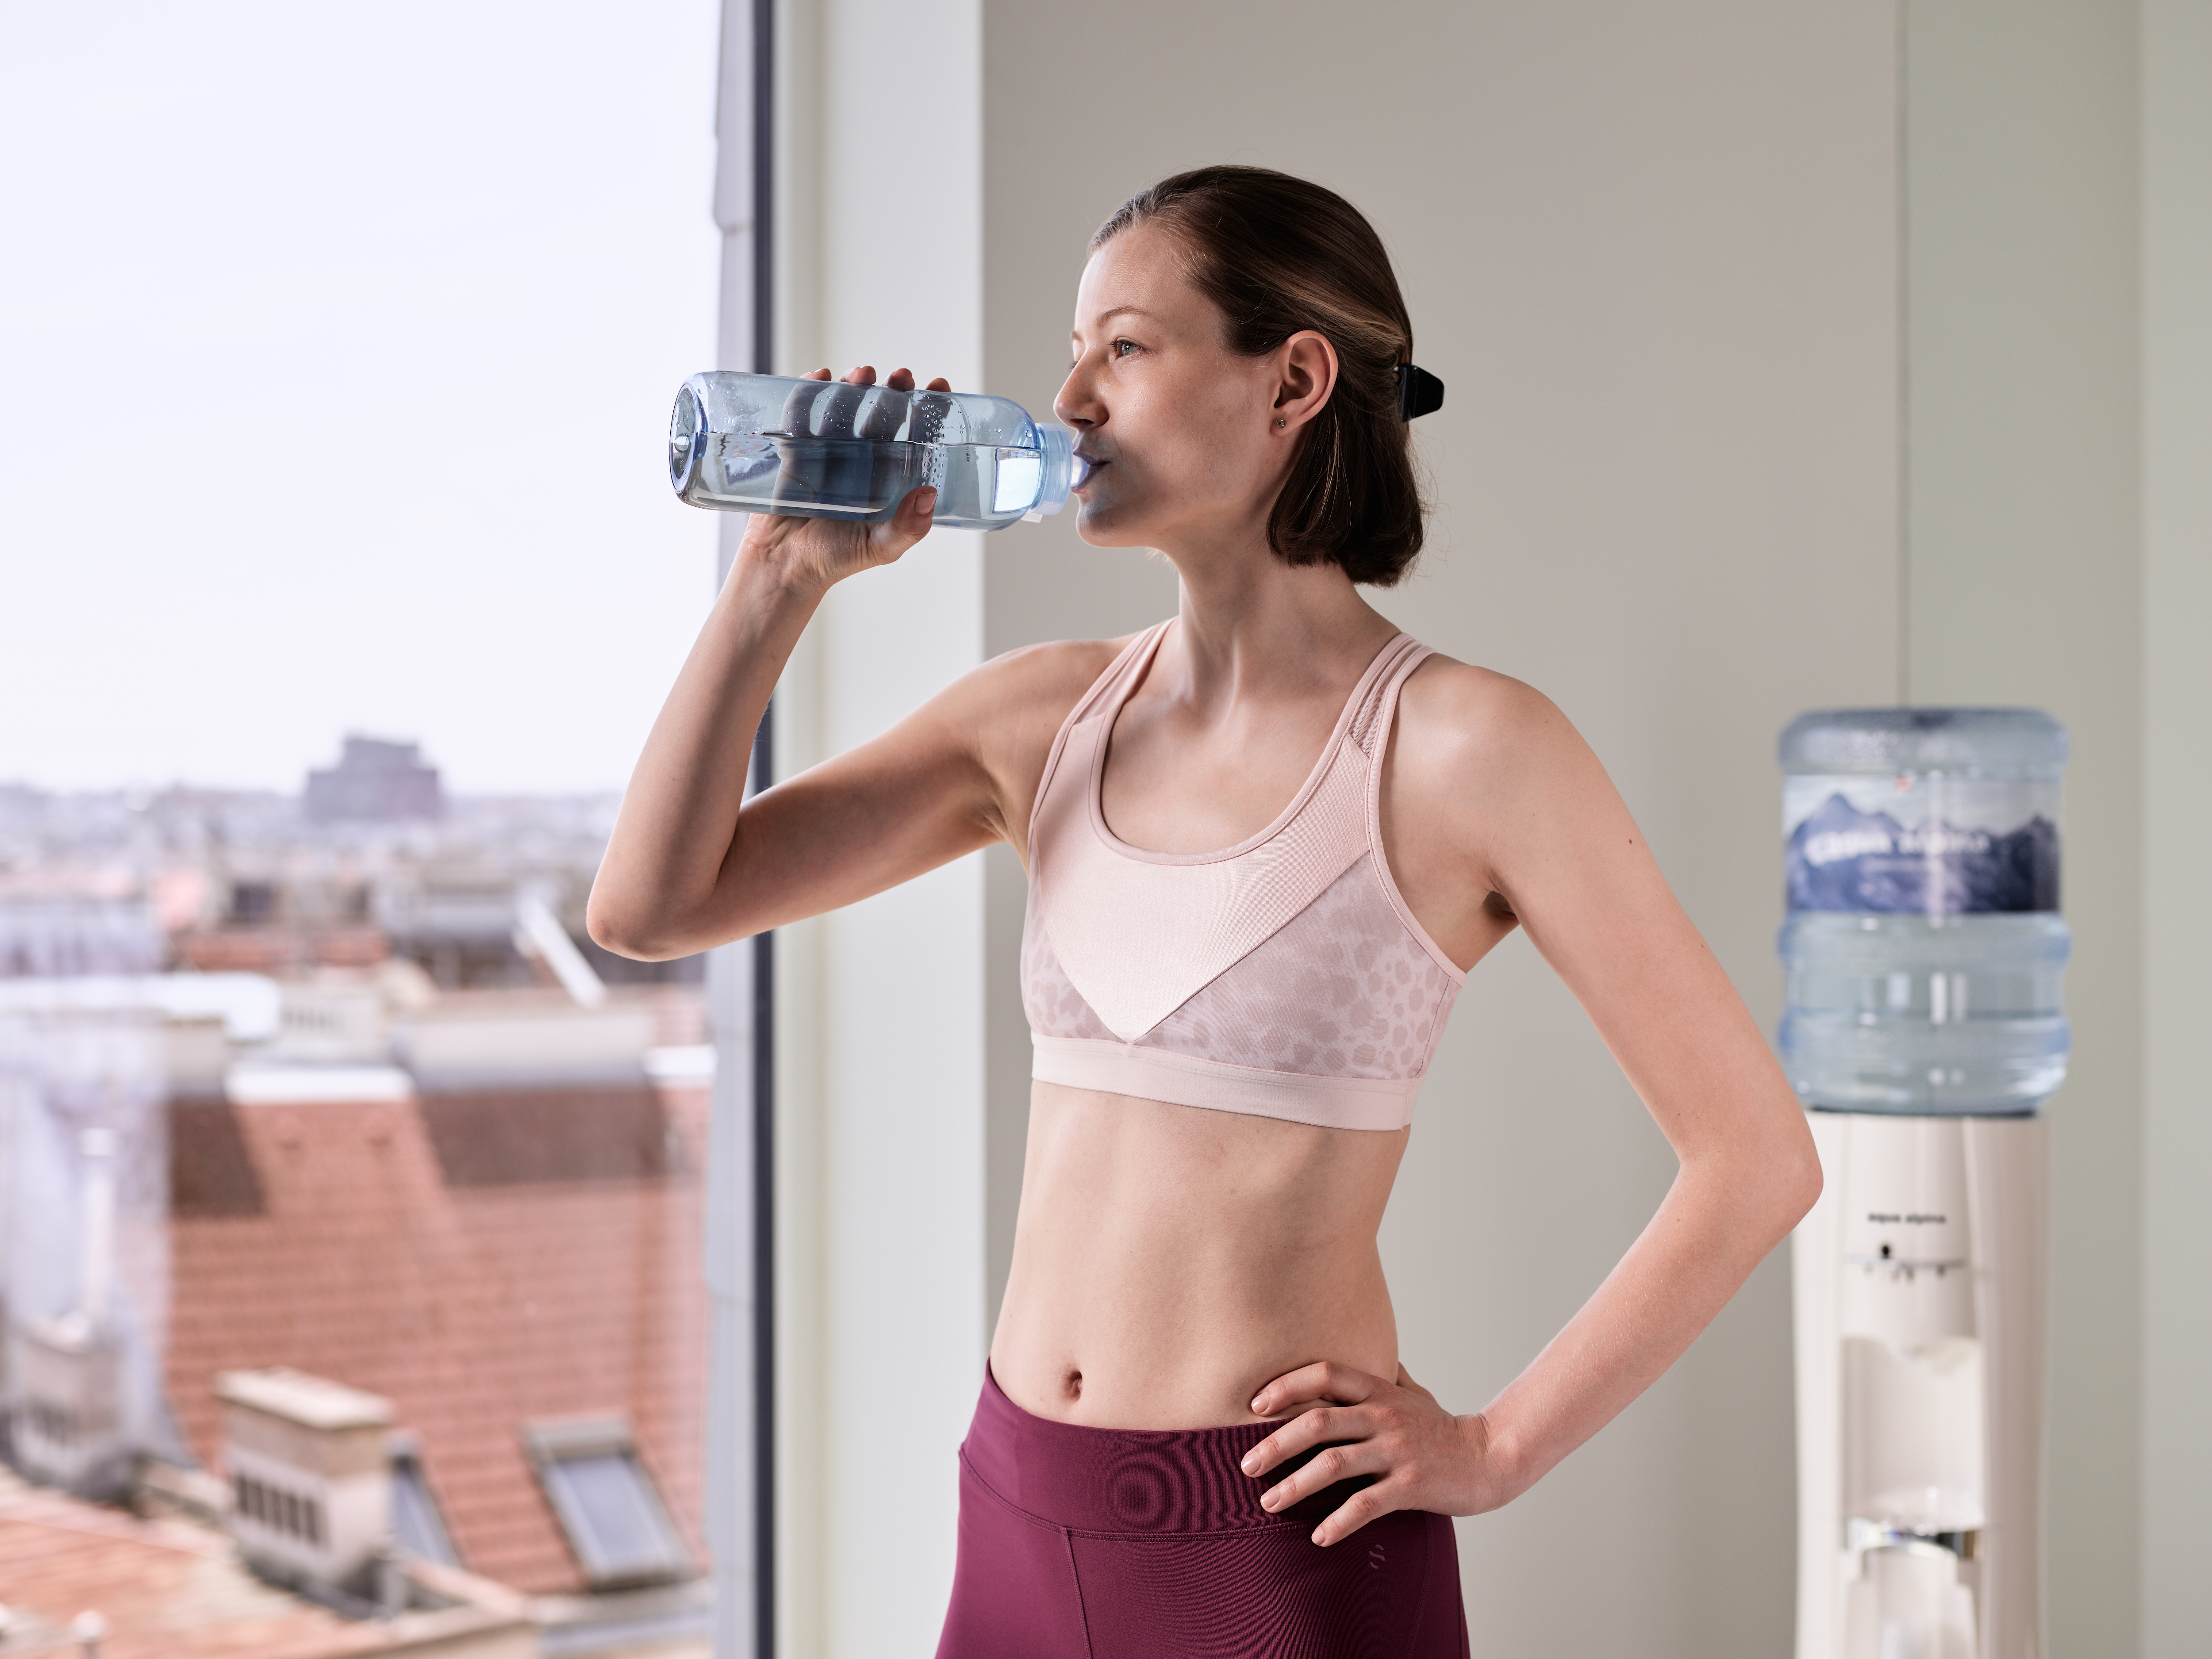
(1375, 1558)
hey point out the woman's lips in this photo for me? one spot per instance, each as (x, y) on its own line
(1096, 464)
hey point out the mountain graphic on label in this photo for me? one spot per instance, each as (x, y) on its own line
(1842, 859)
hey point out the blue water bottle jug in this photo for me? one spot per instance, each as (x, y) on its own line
(1924, 949)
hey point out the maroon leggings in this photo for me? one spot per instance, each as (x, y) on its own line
(1084, 1543)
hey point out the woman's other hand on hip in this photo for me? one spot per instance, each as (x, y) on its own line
(1422, 1457)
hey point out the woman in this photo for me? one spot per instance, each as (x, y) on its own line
(1266, 840)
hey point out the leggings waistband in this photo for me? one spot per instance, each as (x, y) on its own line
(1130, 1480)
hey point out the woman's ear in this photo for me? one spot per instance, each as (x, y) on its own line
(1308, 376)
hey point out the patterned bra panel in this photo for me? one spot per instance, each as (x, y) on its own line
(1282, 977)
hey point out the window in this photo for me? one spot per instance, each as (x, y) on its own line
(356, 1132)
(606, 1502)
(418, 1525)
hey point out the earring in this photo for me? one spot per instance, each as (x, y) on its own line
(1279, 421)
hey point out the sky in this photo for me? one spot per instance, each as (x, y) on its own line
(336, 347)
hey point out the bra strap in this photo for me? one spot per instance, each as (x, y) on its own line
(1110, 689)
(1399, 658)
(1385, 713)
(1106, 689)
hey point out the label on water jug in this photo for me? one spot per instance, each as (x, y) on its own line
(1921, 844)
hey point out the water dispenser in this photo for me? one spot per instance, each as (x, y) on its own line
(1924, 1029)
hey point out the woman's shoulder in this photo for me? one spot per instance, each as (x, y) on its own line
(1461, 720)
(1056, 669)
(1488, 780)
(1032, 684)
(1475, 703)
(1011, 707)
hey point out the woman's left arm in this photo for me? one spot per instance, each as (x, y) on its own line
(1496, 808)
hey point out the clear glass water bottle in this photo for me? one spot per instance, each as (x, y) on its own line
(1924, 949)
(826, 449)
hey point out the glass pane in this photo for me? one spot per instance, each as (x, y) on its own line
(612, 1515)
(329, 1141)
(417, 1526)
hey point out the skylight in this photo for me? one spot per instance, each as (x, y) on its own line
(606, 1502)
(418, 1525)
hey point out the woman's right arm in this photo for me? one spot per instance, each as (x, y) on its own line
(691, 864)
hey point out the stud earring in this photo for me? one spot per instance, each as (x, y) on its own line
(1279, 422)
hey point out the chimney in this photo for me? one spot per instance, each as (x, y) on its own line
(69, 1430)
(310, 1483)
(96, 1271)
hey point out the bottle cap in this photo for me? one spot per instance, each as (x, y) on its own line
(1064, 470)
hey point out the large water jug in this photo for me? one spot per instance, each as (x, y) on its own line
(1924, 949)
(825, 449)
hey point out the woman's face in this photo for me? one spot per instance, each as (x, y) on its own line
(1180, 430)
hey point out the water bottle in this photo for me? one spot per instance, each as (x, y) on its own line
(1923, 948)
(826, 449)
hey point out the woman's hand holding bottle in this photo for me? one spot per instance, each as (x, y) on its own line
(677, 876)
(810, 555)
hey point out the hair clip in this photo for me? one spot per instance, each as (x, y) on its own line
(1419, 392)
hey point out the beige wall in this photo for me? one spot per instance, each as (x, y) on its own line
(2177, 878)
(1684, 486)
(2023, 587)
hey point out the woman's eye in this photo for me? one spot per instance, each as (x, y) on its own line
(1123, 347)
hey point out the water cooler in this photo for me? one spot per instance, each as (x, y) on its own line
(1924, 1029)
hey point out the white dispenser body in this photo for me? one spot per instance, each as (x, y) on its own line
(1920, 1296)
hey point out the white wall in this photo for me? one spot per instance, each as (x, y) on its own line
(881, 1113)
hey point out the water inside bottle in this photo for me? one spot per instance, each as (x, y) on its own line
(1925, 1013)
(1924, 950)
(979, 486)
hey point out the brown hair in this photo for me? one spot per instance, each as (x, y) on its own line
(1278, 255)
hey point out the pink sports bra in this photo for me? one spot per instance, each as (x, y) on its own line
(1283, 977)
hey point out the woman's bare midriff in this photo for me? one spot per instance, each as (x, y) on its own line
(1169, 1260)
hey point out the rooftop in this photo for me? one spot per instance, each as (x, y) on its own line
(175, 1590)
(484, 1261)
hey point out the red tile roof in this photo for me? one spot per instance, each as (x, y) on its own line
(171, 1589)
(479, 1260)
(280, 949)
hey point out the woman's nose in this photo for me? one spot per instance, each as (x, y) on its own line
(1076, 404)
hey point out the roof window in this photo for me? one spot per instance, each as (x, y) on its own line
(606, 1502)
(418, 1525)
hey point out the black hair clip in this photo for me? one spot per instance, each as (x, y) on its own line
(1419, 392)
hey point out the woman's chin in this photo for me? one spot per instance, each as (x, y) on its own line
(1104, 524)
